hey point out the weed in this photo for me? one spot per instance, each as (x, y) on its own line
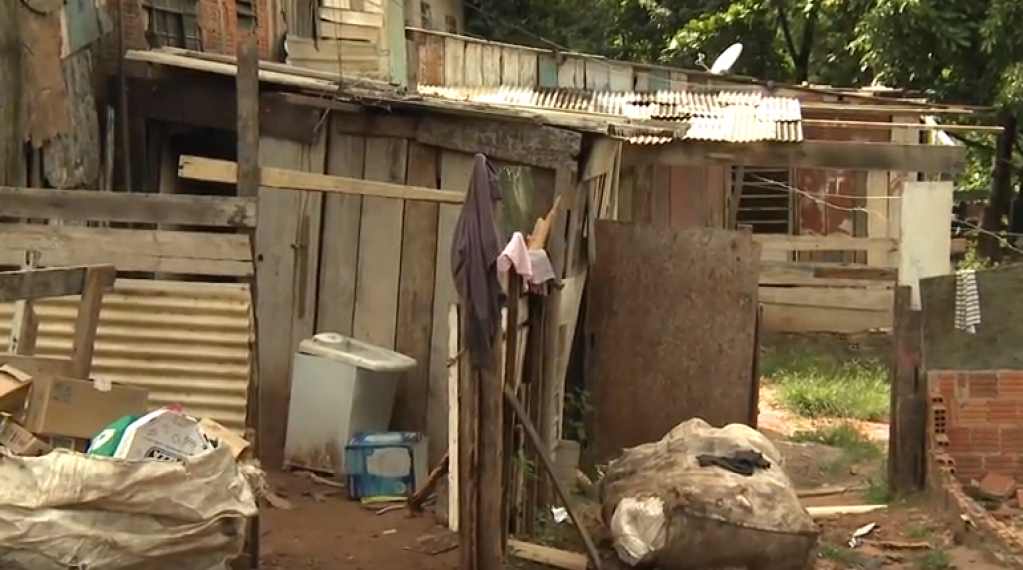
(935, 560)
(878, 492)
(917, 531)
(845, 436)
(815, 386)
(839, 554)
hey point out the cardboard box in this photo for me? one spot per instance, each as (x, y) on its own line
(220, 435)
(19, 440)
(14, 389)
(76, 408)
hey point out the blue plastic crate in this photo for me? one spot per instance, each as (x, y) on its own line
(385, 464)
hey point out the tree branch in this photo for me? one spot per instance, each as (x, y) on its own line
(806, 46)
(786, 30)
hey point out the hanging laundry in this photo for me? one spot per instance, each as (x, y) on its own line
(532, 265)
(967, 315)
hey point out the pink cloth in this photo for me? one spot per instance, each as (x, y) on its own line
(516, 254)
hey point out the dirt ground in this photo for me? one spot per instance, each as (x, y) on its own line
(325, 531)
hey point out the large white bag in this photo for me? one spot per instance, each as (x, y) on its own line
(665, 510)
(68, 510)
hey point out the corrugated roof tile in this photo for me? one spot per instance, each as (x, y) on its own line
(722, 115)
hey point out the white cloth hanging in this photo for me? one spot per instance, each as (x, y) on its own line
(967, 315)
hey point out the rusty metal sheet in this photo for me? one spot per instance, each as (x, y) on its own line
(672, 314)
(187, 343)
(72, 159)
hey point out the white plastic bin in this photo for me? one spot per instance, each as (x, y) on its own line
(339, 386)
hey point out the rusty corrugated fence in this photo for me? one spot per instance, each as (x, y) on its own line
(187, 343)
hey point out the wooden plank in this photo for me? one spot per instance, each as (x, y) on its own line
(277, 243)
(528, 69)
(454, 61)
(907, 460)
(28, 284)
(547, 147)
(37, 365)
(510, 60)
(415, 299)
(342, 218)
(808, 154)
(336, 56)
(490, 60)
(110, 242)
(828, 298)
(247, 82)
(212, 170)
(925, 245)
(352, 17)
(772, 242)
(379, 265)
(790, 319)
(451, 402)
(620, 77)
(431, 61)
(455, 170)
(877, 216)
(336, 31)
(473, 65)
(547, 71)
(547, 556)
(83, 343)
(825, 274)
(598, 75)
(90, 205)
(572, 73)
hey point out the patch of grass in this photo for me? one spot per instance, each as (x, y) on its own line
(917, 531)
(840, 554)
(935, 560)
(845, 436)
(878, 492)
(816, 386)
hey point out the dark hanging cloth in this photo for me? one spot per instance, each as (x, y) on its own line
(744, 462)
(474, 252)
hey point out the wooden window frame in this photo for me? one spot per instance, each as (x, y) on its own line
(165, 15)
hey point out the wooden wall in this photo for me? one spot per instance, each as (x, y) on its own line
(346, 36)
(374, 268)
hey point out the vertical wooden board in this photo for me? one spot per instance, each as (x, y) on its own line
(642, 199)
(379, 265)
(455, 171)
(678, 80)
(342, 214)
(310, 223)
(431, 61)
(896, 180)
(415, 292)
(598, 74)
(473, 64)
(490, 59)
(625, 185)
(452, 417)
(510, 62)
(620, 77)
(547, 71)
(528, 69)
(277, 227)
(454, 61)
(877, 214)
(642, 81)
(572, 73)
(660, 80)
(661, 196)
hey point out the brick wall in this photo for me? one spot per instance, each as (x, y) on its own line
(216, 23)
(977, 419)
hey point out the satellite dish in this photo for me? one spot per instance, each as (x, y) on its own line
(727, 59)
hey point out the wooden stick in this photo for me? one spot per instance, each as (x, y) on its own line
(548, 465)
(415, 502)
(546, 555)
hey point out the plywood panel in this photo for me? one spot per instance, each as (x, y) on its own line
(473, 64)
(572, 73)
(454, 61)
(672, 317)
(510, 61)
(528, 69)
(431, 60)
(926, 235)
(490, 60)
(376, 290)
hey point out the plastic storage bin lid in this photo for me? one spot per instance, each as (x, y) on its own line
(355, 352)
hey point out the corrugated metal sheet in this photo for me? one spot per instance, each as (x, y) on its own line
(187, 343)
(723, 115)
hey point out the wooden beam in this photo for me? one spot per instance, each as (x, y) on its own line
(29, 284)
(826, 275)
(95, 206)
(247, 107)
(522, 143)
(83, 344)
(885, 126)
(771, 242)
(214, 105)
(807, 154)
(827, 298)
(212, 170)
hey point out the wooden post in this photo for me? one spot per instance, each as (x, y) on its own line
(97, 280)
(248, 112)
(907, 441)
(468, 465)
(12, 154)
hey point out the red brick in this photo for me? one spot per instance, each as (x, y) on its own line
(1003, 411)
(998, 485)
(943, 381)
(1003, 463)
(972, 413)
(958, 438)
(1010, 383)
(1012, 440)
(969, 466)
(985, 439)
(982, 385)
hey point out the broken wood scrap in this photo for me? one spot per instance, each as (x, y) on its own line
(415, 502)
(546, 555)
(820, 512)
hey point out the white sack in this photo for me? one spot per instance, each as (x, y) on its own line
(68, 510)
